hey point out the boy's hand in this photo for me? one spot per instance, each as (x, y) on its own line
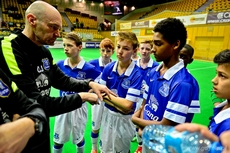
(191, 127)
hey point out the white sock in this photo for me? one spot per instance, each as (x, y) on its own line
(139, 139)
(80, 149)
(94, 139)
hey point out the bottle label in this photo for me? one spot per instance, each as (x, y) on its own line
(173, 140)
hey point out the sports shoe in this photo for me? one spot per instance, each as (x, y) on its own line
(134, 139)
(139, 149)
(93, 151)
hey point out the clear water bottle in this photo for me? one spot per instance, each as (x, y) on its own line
(165, 139)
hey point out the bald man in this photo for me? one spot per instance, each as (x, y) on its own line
(30, 65)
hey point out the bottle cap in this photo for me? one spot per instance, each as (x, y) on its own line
(216, 147)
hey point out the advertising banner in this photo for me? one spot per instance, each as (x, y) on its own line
(125, 25)
(218, 17)
(140, 24)
(92, 44)
(193, 19)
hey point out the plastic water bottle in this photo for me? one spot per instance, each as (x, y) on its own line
(165, 139)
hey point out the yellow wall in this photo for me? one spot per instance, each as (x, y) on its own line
(208, 40)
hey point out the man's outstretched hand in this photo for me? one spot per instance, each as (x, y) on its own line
(100, 90)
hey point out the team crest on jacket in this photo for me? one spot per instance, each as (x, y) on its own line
(46, 63)
(164, 90)
(125, 84)
(81, 75)
(4, 89)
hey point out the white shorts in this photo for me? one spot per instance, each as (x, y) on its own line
(116, 133)
(97, 111)
(75, 122)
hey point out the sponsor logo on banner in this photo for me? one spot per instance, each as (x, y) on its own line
(57, 44)
(218, 17)
(92, 44)
(87, 36)
(140, 24)
(97, 44)
(89, 45)
(152, 23)
(137, 31)
(114, 33)
(125, 25)
(148, 31)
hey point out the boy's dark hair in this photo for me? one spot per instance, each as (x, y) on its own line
(75, 37)
(190, 49)
(222, 57)
(172, 30)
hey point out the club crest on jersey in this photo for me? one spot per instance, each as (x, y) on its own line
(153, 103)
(125, 84)
(81, 75)
(46, 63)
(143, 86)
(4, 90)
(164, 90)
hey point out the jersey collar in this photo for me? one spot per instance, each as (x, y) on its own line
(128, 70)
(80, 64)
(100, 61)
(173, 70)
(222, 115)
(150, 63)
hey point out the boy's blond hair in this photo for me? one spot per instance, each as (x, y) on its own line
(147, 42)
(129, 36)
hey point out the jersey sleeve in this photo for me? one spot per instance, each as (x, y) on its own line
(104, 76)
(134, 90)
(180, 100)
(18, 68)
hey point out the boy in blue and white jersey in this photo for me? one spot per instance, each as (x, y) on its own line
(146, 64)
(164, 98)
(106, 51)
(73, 122)
(220, 122)
(124, 79)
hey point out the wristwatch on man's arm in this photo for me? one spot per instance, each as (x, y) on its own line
(38, 125)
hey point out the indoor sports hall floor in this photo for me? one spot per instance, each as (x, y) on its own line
(203, 71)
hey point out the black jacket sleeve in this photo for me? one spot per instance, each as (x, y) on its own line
(13, 101)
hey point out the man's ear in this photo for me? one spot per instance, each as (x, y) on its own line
(31, 19)
(177, 45)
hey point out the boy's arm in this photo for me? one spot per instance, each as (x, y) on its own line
(121, 104)
(138, 119)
